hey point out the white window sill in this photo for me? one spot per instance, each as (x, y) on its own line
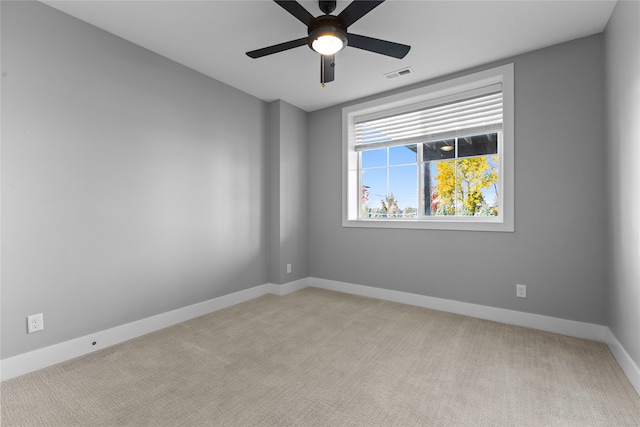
(480, 224)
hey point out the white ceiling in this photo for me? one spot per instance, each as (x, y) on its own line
(212, 36)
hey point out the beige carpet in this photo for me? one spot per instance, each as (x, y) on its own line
(321, 358)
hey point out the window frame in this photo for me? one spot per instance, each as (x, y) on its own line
(401, 101)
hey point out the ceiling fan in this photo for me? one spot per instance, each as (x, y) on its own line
(327, 34)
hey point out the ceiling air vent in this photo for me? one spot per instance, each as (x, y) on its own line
(398, 73)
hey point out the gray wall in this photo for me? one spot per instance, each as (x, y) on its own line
(558, 248)
(622, 38)
(288, 177)
(131, 185)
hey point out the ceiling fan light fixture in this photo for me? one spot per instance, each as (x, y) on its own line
(327, 39)
(327, 44)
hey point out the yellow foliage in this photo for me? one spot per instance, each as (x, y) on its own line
(462, 181)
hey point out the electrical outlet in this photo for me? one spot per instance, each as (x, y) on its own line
(35, 323)
(521, 291)
(288, 268)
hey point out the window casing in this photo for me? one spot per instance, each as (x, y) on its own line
(437, 157)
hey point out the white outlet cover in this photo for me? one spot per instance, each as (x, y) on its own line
(35, 323)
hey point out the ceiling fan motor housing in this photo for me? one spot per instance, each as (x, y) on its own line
(327, 6)
(327, 25)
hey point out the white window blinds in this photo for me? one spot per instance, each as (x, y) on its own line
(464, 114)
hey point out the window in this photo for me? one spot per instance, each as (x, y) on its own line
(439, 157)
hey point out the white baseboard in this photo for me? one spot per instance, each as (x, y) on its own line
(287, 288)
(630, 369)
(41, 358)
(535, 321)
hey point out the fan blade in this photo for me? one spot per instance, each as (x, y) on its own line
(297, 10)
(357, 9)
(382, 47)
(327, 68)
(259, 53)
